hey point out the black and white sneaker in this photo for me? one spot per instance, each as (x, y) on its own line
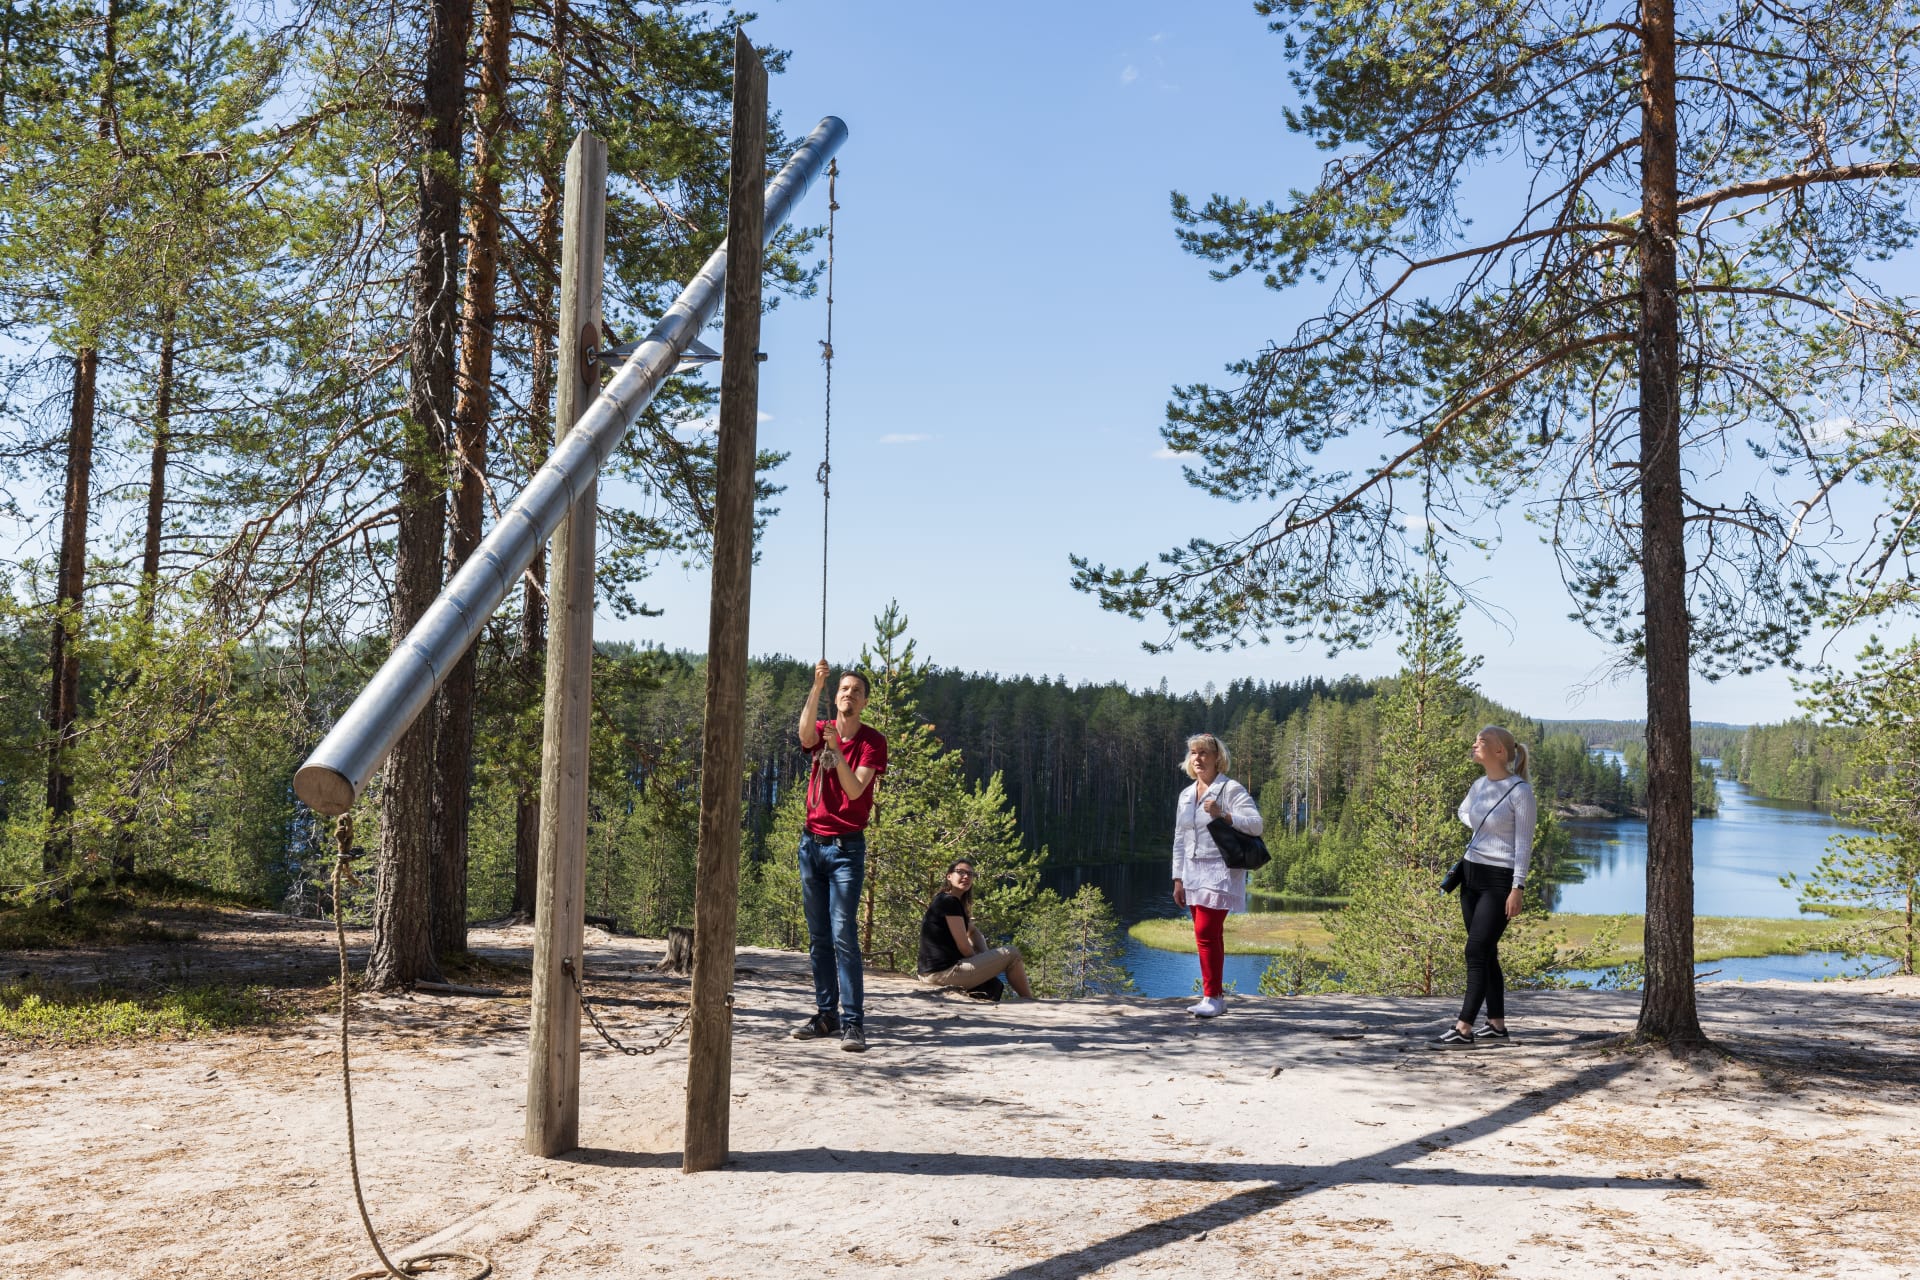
(853, 1038)
(1453, 1038)
(1490, 1034)
(821, 1026)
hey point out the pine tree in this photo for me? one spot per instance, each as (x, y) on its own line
(1072, 946)
(1687, 275)
(1398, 935)
(1876, 876)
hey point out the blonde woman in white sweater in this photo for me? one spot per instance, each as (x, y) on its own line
(1202, 881)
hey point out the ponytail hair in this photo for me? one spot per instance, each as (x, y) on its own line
(1517, 755)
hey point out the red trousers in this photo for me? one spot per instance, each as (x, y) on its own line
(1208, 924)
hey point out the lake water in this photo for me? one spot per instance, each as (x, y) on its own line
(1738, 859)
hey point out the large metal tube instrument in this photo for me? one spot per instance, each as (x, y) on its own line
(339, 767)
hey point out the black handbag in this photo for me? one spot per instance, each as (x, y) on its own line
(1237, 849)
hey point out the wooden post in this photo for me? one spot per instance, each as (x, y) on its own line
(553, 1075)
(716, 893)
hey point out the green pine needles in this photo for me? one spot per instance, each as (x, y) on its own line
(1398, 934)
(1873, 881)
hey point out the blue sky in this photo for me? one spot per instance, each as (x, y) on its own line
(1012, 312)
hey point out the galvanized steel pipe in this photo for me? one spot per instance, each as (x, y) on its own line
(339, 767)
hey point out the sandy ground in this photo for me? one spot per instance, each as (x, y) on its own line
(1117, 1138)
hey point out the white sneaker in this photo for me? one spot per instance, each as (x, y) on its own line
(1211, 1007)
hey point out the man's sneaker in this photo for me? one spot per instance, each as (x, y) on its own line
(1453, 1038)
(853, 1038)
(1490, 1034)
(820, 1026)
(1211, 1007)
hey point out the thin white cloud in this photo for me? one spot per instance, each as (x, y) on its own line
(1129, 74)
(765, 416)
(1832, 430)
(905, 437)
(1418, 522)
(1165, 452)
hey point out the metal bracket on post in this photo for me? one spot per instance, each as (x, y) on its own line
(697, 354)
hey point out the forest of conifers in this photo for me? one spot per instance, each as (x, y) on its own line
(274, 354)
(1090, 771)
(278, 300)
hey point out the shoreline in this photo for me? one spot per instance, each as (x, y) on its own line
(1715, 937)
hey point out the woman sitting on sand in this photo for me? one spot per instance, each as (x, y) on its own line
(955, 954)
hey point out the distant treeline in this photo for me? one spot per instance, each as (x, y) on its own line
(1092, 770)
(1799, 761)
(1712, 740)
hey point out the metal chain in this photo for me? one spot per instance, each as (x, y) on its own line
(826, 357)
(573, 976)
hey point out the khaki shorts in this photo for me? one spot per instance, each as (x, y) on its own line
(981, 967)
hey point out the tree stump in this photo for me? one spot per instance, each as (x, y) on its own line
(679, 957)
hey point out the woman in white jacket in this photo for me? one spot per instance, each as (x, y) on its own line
(1202, 881)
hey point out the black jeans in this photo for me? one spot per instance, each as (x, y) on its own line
(1483, 904)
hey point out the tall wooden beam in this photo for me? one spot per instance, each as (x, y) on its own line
(553, 1067)
(717, 887)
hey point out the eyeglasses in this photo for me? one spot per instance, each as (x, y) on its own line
(967, 874)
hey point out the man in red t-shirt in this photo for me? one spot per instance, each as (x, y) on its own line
(847, 760)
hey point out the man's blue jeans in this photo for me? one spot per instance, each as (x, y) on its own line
(832, 872)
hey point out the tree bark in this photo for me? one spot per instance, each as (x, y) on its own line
(63, 660)
(402, 933)
(453, 745)
(1667, 1008)
(157, 473)
(63, 696)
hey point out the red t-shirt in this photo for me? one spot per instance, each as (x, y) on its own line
(830, 811)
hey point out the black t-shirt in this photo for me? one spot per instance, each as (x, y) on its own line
(937, 948)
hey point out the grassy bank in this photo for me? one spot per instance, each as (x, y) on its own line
(36, 1012)
(106, 912)
(1714, 937)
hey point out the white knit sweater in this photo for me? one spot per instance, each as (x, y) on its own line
(1505, 812)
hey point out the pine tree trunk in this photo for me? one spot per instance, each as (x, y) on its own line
(1667, 1009)
(453, 745)
(63, 660)
(157, 473)
(402, 932)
